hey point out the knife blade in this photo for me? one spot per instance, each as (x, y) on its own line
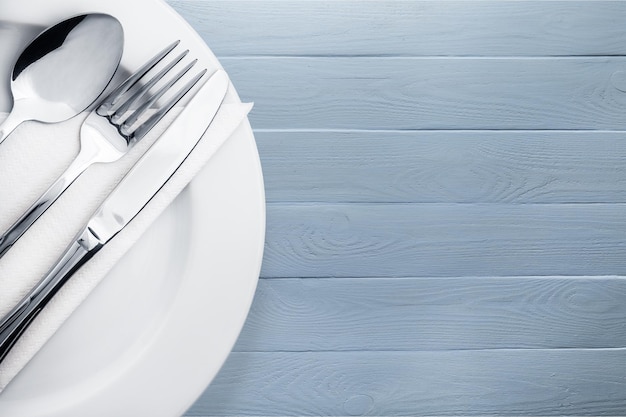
(130, 196)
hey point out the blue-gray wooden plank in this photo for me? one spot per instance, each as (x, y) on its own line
(431, 240)
(444, 167)
(410, 314)
(433, 93)
(408, 28)
(488, 382)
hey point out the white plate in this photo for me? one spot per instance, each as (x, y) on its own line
(196, 268)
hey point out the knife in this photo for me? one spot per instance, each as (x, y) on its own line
(130, 196)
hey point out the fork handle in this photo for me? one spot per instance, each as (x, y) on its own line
(77, 167)
(13, 325)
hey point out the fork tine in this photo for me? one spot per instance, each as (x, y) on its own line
(118, 113)
(128, 123)
(116, 94)
(145, 127)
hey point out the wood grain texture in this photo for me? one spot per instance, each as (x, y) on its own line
(430, 240)
(433, 93)
(446, 222)
(444, 167)
(500, 382)
(413, 314)
(408, 28)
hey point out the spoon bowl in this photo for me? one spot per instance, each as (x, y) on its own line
(64, 70)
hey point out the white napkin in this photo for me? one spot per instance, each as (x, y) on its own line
(30, 160)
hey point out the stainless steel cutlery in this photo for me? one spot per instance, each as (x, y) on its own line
(137, 188)
(111, 130)
(124, 117)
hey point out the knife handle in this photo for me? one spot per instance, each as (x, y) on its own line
(13, 325)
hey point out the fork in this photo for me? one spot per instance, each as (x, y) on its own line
(112, 129)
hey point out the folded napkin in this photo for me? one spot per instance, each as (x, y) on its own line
(30, 160)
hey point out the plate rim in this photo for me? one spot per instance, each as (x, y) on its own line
(194, 184)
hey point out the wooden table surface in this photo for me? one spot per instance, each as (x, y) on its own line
(446, 206)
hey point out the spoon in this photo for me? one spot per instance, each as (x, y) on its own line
(64, 70)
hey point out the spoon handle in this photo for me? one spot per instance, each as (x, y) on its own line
(9, 124)
(78, 166)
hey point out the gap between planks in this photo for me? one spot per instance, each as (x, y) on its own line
(285, 203)
(409, 131)
(493, 277)
(422, 57)
(352, 351)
